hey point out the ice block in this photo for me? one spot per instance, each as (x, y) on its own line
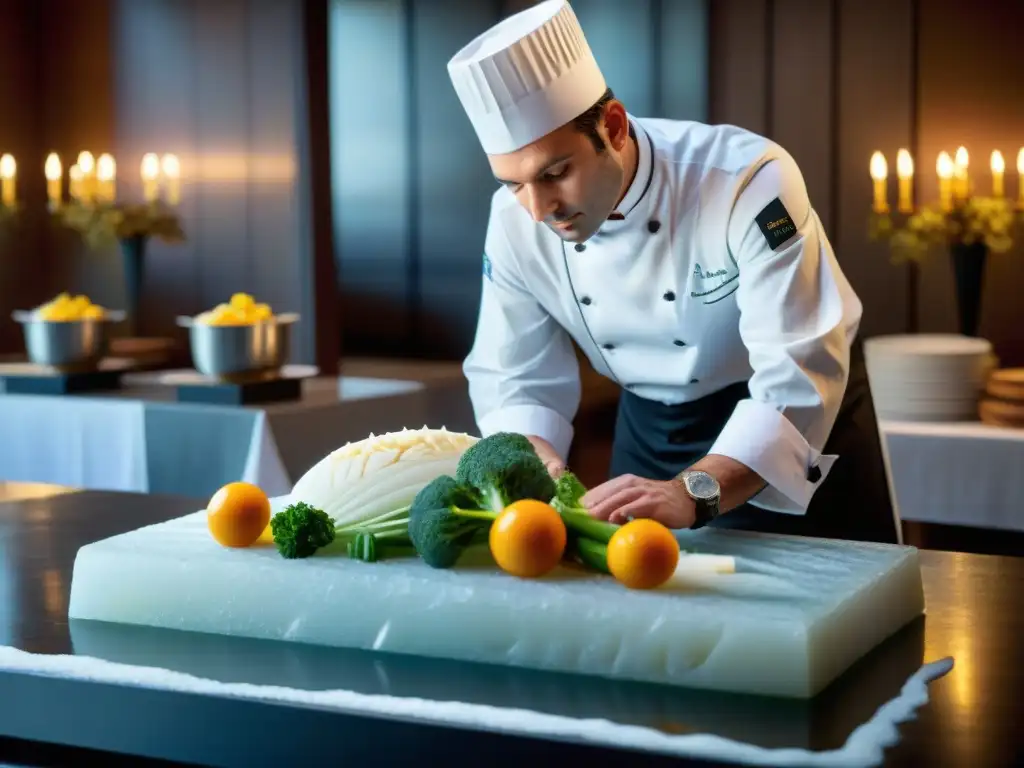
(795, 615)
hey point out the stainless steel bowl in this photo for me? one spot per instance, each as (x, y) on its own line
(67, 344)
(228, 351)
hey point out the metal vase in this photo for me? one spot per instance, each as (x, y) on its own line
(969, 276)
(133, 255)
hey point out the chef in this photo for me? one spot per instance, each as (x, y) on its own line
(688, 264)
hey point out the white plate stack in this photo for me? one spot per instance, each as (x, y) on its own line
(928, 377)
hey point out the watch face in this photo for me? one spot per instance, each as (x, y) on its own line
(701, 485)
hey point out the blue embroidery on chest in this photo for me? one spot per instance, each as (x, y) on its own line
(720, 275)
(487, 268)
(702, 275)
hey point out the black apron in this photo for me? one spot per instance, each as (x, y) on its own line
(658, 441)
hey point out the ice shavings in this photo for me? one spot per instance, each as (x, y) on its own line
(865, 747)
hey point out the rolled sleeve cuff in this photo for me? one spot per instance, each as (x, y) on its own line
(531, 420)
(761, 438)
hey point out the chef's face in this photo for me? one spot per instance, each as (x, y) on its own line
(565, 181)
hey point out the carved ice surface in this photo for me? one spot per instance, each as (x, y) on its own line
(795, 615)
(864, 747)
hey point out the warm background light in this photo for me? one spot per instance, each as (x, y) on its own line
(961, 183)
(8, 172)
(106, 173)
(998, 166)
(172, 175)
(75, 181)
(905, 174)
(150, 171)
(944, 168)
(52, 169)
(879, 170)
(86, 163)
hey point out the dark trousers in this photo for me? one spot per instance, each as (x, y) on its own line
(658, 441)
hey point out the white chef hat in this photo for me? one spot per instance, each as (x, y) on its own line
(526, 77)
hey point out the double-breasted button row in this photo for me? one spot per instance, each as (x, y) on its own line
(668, 296)
(677, 342)
(652, 226)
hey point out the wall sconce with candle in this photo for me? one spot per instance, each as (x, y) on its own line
(8, 186)
(93, 210)
(966, 225)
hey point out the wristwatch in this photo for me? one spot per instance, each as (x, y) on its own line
(705, 492)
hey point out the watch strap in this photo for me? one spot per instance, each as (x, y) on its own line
(706, 509)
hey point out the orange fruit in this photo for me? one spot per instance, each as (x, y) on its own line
(528, 538)
(238, 514)
(643, 554)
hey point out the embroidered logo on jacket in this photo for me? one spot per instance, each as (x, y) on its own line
(775, 223)
(487, 268)
(720, 278)
(702, 275)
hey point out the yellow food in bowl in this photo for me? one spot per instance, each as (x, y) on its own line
(65, 308)
(243, 309)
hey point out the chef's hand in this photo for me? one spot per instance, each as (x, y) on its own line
(548, 455)
(628, 496)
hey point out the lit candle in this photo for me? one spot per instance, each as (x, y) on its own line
(962, 188)
(1020, 178)
(87, 165)
(172, 175)
(879, 172)
(150, 171)
(944, 167)
(106, 171)
(998, 168)
(52, 170)
(905, 174)
(8, 173)
(75, 182)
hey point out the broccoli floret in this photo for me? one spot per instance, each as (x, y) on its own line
(445, 519)
(300, 530)
(567, 501)
(568, 492)
(503, 468)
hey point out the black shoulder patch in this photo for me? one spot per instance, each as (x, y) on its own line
(775, 223)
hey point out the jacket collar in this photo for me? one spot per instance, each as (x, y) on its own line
(632, 208)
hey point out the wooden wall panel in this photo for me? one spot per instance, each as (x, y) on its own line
(876, 72)
(412, 186)
(683, 66)
(21, 240)
(849, 77)
(55, 95)
(279, 248)
(371, 174)
(156, 86)
(740, 63)
(622, 37)
(219, 84)
(453, 181)
(971, 82)
(802, 93)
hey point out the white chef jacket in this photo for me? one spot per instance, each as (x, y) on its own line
(684, 296)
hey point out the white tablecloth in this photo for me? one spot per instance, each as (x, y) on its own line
(96, 444)
(958, 473)
(117, 443)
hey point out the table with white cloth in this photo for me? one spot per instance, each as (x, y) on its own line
(141, 439)
(957, 473)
